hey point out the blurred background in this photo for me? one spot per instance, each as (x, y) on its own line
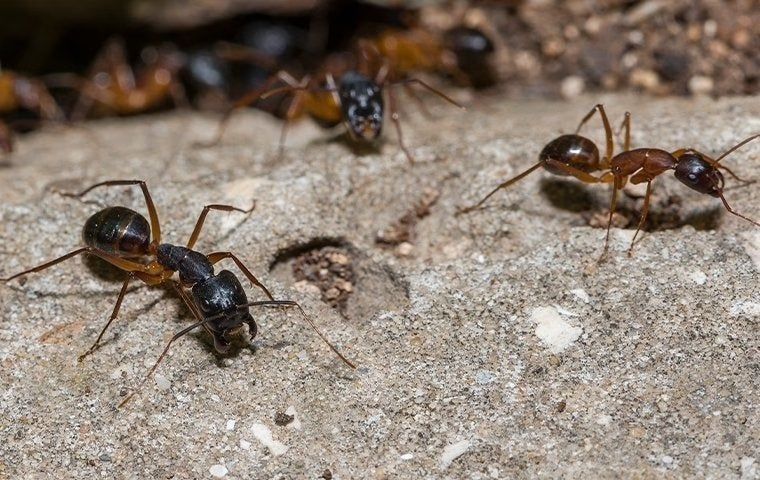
(74, 59)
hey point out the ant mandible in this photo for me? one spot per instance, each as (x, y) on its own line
(355, 99)
(122, 236)
(568, 155)
(690, 167)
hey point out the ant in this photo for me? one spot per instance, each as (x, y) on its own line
(355, 99)
(461, 52)
(113, 86)
(568, 155)
(122, 237)
(20, 92)
(690, 167)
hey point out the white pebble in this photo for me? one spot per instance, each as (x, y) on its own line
(407, 456)
(748, 468)
(556, 333)
(231, 424)
(264, 435)
(452, 452)
(245, 444)
(581, 294)
(699, 277)
(572, 86)
(667, 459)
(218, 471)
(296, 423)
(162, 383)
(700, 85)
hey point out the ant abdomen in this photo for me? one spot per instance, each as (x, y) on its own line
(698, 174)
(573, 150)
(118, 230)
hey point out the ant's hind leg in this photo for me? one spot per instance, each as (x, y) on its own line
(734, 212)
(113, 316)
(607, 129)
(499, 187)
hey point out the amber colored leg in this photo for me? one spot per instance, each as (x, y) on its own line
(499, 187)
(251, 98)
(114, 314)
(626, 124)
(154, 223)
(731, 210)
(218, 256)
(397, 123)
(617, 184)
(202, 218)
(644, 212)
(607, 131)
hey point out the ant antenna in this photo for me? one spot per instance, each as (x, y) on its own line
(737, 146)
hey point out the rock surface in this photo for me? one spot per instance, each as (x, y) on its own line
(489, 345)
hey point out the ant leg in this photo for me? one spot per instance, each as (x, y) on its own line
(395, 118)
(499, 187)
(154, 223)
(607, 131)
(290, 303)
(420, 104)
(218, 256)
(431, 89)
(6, 138)
(202, 218)
(626, 124)
(113, 316)
(49, 264)
(579, 174)
(644, 212)
(176, 336)
(617, 184)
(252, 97)
(121, 263)
(731, 210)
(294, 110)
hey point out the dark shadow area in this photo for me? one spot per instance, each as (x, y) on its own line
(568, 195)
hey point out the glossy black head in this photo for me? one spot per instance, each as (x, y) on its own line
(118, 231)
(361, 101)
(221, 295)
(572, 150)
(698, 174)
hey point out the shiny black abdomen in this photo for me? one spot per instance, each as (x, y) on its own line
(119, 231)
(222, 294)
(573, 150)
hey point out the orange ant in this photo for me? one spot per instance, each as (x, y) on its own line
(462, 52)
(568, 155)
(122, 237)
(354, 99)
(113, 86)
(20, 92)
(692, 168)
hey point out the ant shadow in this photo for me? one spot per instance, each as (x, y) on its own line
(568, 195)
(358, 148)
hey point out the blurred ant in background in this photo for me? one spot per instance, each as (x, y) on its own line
(355, 99)
(113, 87)
(18, 92)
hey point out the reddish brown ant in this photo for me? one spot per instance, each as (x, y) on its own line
(568, 155)
(692, 168)
(122, 237)
(355, 100)
(113, 86)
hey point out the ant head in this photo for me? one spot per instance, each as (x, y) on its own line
(697, 173)
(361, 101)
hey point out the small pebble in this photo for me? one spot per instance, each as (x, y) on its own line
(452, 452)
(701, 85)
(407, 456)
(218, 471)
(231, 424)
(162, 383)
(572, 86)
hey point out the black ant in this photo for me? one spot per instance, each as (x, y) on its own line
(568, 155)
(355, 99)
(692, 168)
(121, 237)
